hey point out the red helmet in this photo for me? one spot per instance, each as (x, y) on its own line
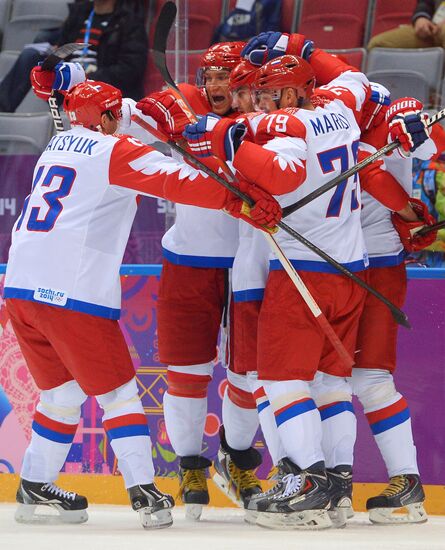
(287, 71)
(242, 75)
(87, 101)
(224, 55)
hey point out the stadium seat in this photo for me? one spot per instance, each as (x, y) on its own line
(24, 134)
(23, 29)
(341, 25)
(403, 83)
(5, 6)
(57, 8)
(7, 60)
(203, 18)
(426, 61)
(32, 104)
(354, 56)
(389, 14)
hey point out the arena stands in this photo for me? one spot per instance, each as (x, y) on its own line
(341, 26)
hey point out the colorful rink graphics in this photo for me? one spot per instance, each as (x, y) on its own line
(420, 377)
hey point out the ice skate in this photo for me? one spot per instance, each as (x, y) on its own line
(254, 505)
(400, 502)
(234, 474)
(340, 491)
(153, 506)
(48, 503)
(193, 485)
(301, 500)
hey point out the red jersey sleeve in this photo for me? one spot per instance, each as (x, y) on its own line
(196, 98)
(327, 67)
(380, 184)
(139, 167)
(277, 160)
(438, 136)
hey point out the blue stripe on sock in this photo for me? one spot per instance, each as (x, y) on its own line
(391, 422)
(263, 405)
(336, 408)
(51, 434)
(295, 410)
(128, 431)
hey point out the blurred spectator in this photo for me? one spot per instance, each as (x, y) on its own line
(117, 52)
(249, 18)
(427, 30)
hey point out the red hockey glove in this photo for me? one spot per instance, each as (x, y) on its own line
(375, 107)
(62, 78)
(264, 215)
(42, 82)
(167, 111)
(407, 230)
(407, 123)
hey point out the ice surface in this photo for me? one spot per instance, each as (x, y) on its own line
(118, 528)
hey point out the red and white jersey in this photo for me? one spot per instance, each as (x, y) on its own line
(382, 240)
(68, 243)
(302, 150)
(200, 237)
(251, 265)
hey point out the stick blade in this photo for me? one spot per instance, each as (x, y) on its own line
(163, 25)
(61, 53)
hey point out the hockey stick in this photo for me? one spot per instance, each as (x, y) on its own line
(289, 268)
(163, 26)
(352, 171)
(49, 63)
(429, 228)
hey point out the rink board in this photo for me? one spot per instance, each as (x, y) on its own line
(421, 378)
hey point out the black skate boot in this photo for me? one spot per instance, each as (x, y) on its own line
(340, 491)
(36, 499)
(193, 484)
(234, 473)
(254, 504)
(403, 491)
(153, 506)
(300, 502)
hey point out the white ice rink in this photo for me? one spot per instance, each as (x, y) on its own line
(118, 528)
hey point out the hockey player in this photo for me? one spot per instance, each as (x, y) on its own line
(410, 130)
(294, 139)
(290, 80)
(386, 238)
(198, 252)
(62, 293)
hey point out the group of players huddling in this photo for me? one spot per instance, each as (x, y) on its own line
(265, 124)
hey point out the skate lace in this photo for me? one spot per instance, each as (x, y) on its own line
(57, 491)
(193, 480)
(242, 479)
(293, 485)
(396, 485)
